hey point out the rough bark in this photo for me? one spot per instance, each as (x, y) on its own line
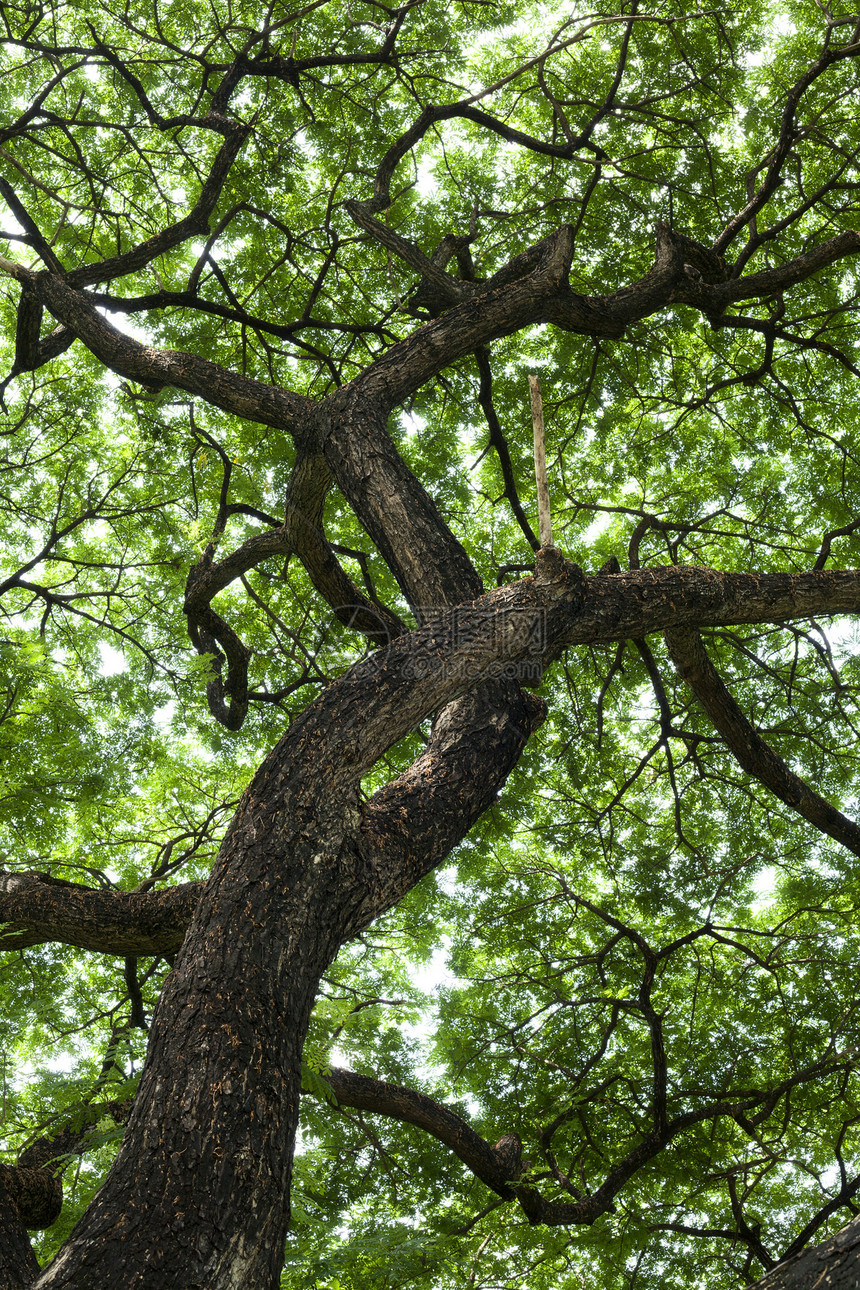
(36, 1193)
(36, 907)
(34, 1183)
(18, 1266)
(240, 395)
(832, 1265)
(528, 621)
(306, 868)
(207, 1155)
(199, 1194)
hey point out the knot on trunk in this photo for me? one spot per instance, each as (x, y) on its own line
(509, 1156)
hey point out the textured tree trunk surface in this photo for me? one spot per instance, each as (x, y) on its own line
(833, 1265)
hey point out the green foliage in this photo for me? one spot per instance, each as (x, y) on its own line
(509, 985)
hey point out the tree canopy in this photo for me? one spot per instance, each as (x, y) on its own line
(535, 867)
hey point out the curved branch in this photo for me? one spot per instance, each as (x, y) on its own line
(300, 534)
(195, 223)
(414, 676)
(787, 138)
(747, 746)
(500, 1166)
(34, 1185)
(533, 288)
(496, 1166)
(156, 368)
(37, 1194)
(465, 110)
(410, 826)
(32, 233)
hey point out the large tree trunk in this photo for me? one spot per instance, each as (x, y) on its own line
(199, 1194)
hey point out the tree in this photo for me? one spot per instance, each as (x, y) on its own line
(273, 283)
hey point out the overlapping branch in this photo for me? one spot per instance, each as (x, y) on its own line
(412, 823)
(833, 1264)
(300, 534)
(31, 1190)
(418, 674)
(500, 1166)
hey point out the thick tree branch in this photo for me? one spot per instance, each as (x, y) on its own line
(34, 1185)
(300, 534)
(832, 1264)
(526, 622)
(410, 826)
(228, 390)
(195, 223)
(403, 521)
(500, 1166)
(36, 908)
(541, 294)
(36, 1193)
(32, 232)
(712, 299)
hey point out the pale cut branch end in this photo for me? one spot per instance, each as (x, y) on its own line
(544, 520)
(14, 270)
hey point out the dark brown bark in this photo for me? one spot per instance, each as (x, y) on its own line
(832, 1265)
(34, 1183)
(303, 870)
(531, 620)
(31, 1193)
(301, 535)
(498, 441)
(18, 1266)
(500, 1166)
(240, 395)
(512, 300)
(35, 908)
(192, 225)
(497, 1168)
(306, 869)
